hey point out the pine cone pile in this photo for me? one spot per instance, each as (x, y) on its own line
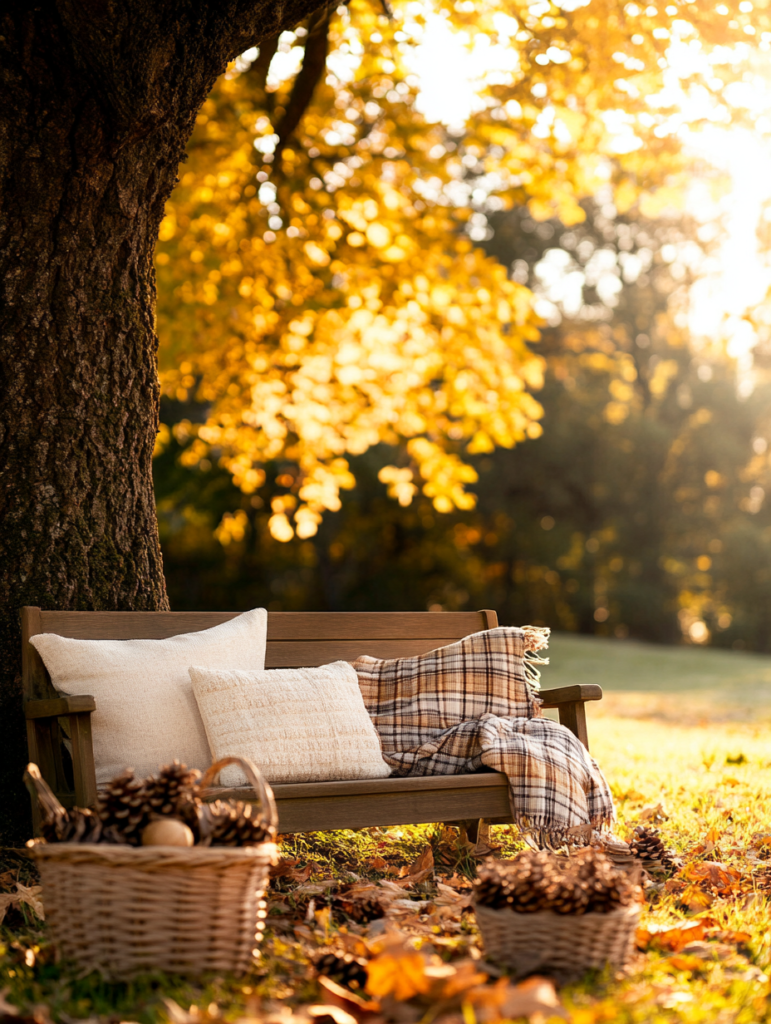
(231, 824)
(127, 805)
(587, 882)
(343, 968)
(649, 849)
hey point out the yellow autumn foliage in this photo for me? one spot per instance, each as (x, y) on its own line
(331, 299)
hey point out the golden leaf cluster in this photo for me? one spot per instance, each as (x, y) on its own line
(329, 297)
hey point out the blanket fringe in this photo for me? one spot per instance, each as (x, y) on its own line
(539, 835)
(536, 639)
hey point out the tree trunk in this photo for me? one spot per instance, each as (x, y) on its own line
(98, 101)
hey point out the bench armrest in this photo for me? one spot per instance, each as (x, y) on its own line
(58, 706)
(571, 704)
(570, 694)
(44, 743)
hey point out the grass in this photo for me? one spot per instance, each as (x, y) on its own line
(662, 681)
(711, 773)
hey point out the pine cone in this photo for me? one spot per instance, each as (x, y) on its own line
(343, 968)
(78, 825)
(174, 793)
(222, 823)
(360, 911)
(648, 847)
(587, 882)
(122, 806)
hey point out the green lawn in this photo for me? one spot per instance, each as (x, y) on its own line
(650, 679)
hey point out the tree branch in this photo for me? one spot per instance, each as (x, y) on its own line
(258, 72)
(313, 65)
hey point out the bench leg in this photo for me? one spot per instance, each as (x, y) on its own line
(477, 830)
(573, 717)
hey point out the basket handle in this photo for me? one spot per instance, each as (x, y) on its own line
(39, 789)
(255, 778)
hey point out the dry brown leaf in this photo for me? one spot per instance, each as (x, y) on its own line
(504, 1001)
(24, 894)
(655, 813)
(448, 897)
(676, 938)
(376, 863)
(694, 898)
(721, 876)
(687, 962)
(355, 1004)
(420, 868)
(448, 984)
(337, 1013)
(284, 867)
(397, 973)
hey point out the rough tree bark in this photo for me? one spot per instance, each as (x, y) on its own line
(98, 101)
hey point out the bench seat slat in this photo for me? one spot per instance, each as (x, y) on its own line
(360, 787)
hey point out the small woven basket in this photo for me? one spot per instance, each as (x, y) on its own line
(122, 910)
(562, 944)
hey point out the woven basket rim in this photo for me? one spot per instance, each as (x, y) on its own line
(630, 910)
(148, 857)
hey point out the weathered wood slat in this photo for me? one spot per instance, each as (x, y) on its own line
(59, 706)
(282, 626)
(567, 694)
(321, 652)
(363, 787)
(399, 807)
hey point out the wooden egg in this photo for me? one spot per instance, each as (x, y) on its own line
(167, 832)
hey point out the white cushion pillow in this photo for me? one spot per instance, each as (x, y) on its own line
(297, 725)
(146, 714)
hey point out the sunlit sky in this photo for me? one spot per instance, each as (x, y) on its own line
(738, 275)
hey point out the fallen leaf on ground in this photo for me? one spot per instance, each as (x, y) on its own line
(420, 868)
(376, 863)
(656, 813)
(694, 898)
(356, 1005)
(24, 894)
(457, 881)
(337, 1013)
(504, 1001)
(400, 973)
(314, 888)
(674, 938)
(448, 897)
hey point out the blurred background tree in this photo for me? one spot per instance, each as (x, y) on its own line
(346, 303)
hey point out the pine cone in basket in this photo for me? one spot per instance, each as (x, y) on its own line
(586, 882)
(174, 792)
(222, 823)
(123, 808)
(648, 847)
(78, 825)
(343, 968)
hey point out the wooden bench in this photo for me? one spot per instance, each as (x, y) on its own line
(294, 639)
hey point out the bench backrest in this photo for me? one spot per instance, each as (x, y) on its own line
(294, 638)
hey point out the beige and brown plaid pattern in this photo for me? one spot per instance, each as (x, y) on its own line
(470, 707)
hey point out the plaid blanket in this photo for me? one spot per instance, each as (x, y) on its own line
(473, 706)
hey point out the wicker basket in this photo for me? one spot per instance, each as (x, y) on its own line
(561, 944)
(121, 910)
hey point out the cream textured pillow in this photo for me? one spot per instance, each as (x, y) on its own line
(296, 724)
(146, 714)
